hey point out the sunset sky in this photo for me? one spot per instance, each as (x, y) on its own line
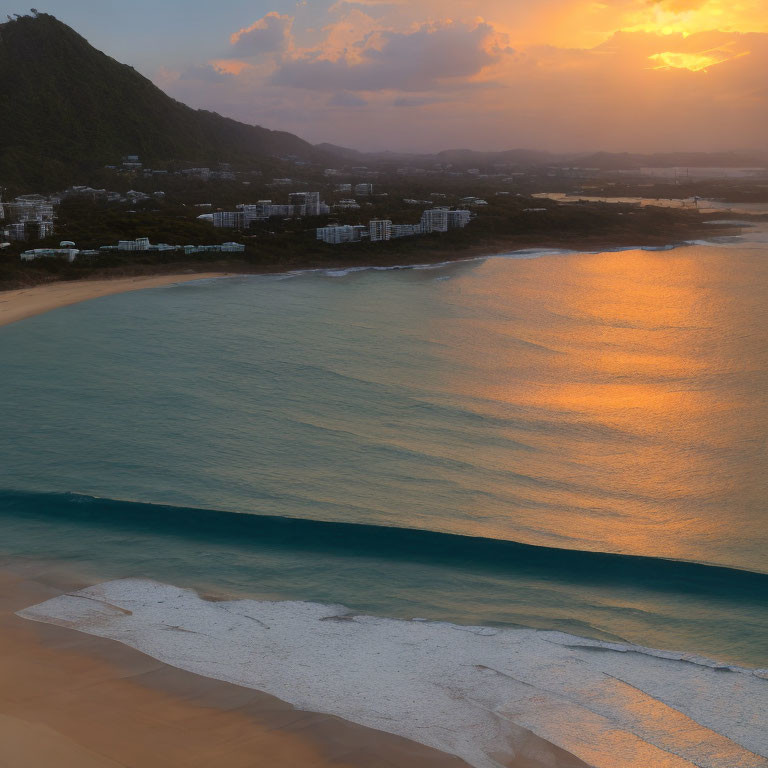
(434, 74)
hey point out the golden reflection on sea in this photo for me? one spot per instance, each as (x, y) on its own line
(636, 382)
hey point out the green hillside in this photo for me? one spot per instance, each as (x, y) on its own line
(68, 108)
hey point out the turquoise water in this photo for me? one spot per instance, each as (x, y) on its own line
(420, 442)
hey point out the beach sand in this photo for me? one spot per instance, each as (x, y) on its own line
(21, 303)
(71, 700)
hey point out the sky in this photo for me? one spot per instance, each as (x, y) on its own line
(426, 75)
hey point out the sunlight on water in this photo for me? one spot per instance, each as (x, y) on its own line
(597, 402)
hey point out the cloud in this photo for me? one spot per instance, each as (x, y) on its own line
(270, 34)
(585, 74)
(410, 61)
(695, 62)
(231, 66)
(416, 101)
(344, 99)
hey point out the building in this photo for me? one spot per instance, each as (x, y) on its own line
(434, 220)
(349, 204)
(30, 216)
(16, 232)
(406, 230)
(309, 200)
(139, 244)
(44, 229)
(364, 189)
(458, 218)
(229, 219)
(223, 248)
(67, 254)
(379, 229)
(143, 244)
(343, 188)
(341, 234)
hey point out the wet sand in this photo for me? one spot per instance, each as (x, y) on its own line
(22, 303)
(70, 700)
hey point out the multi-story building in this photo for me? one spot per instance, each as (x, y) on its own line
(16, 231)
(458, 218)
(44, 229)
(349, 204)
(379, 229)
(310, 201)
(341, 234)
(343, 187)
(434, 220)
(229, 219)
(364, 189)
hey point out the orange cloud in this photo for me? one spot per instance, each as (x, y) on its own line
(696, 62)
(612, 74)
(230, 66)
(688, 17)
(271, 33)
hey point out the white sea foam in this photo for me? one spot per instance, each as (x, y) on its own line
(464, 690)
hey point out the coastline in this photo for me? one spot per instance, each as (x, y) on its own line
(480, 694)
(19, 303)
(72, 700)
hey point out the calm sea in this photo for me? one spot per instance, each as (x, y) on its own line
(571, 441)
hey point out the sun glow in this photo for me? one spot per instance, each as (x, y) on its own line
(695, 62)
(687, 17)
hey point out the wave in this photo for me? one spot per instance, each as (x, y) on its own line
(256, 531)
(475, 692)
(521, 253)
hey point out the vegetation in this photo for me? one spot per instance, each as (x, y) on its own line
(281, 244)
(74, 109)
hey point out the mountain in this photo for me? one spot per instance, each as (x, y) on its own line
(67, 108)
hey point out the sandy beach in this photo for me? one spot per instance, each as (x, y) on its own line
(70, 700)
(22, 303)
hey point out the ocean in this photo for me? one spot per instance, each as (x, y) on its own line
(560, 452)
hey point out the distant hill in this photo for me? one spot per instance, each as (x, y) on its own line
(66, 107)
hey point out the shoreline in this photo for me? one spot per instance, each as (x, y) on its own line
(72, 700)
(478, 694)
(20, 303)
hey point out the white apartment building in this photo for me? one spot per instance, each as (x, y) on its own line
(139, 244)
(364, 189)
(229, 219)
(458, 218)
(68, 254)
(434, 220)
(143, 244)
(379, 229)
